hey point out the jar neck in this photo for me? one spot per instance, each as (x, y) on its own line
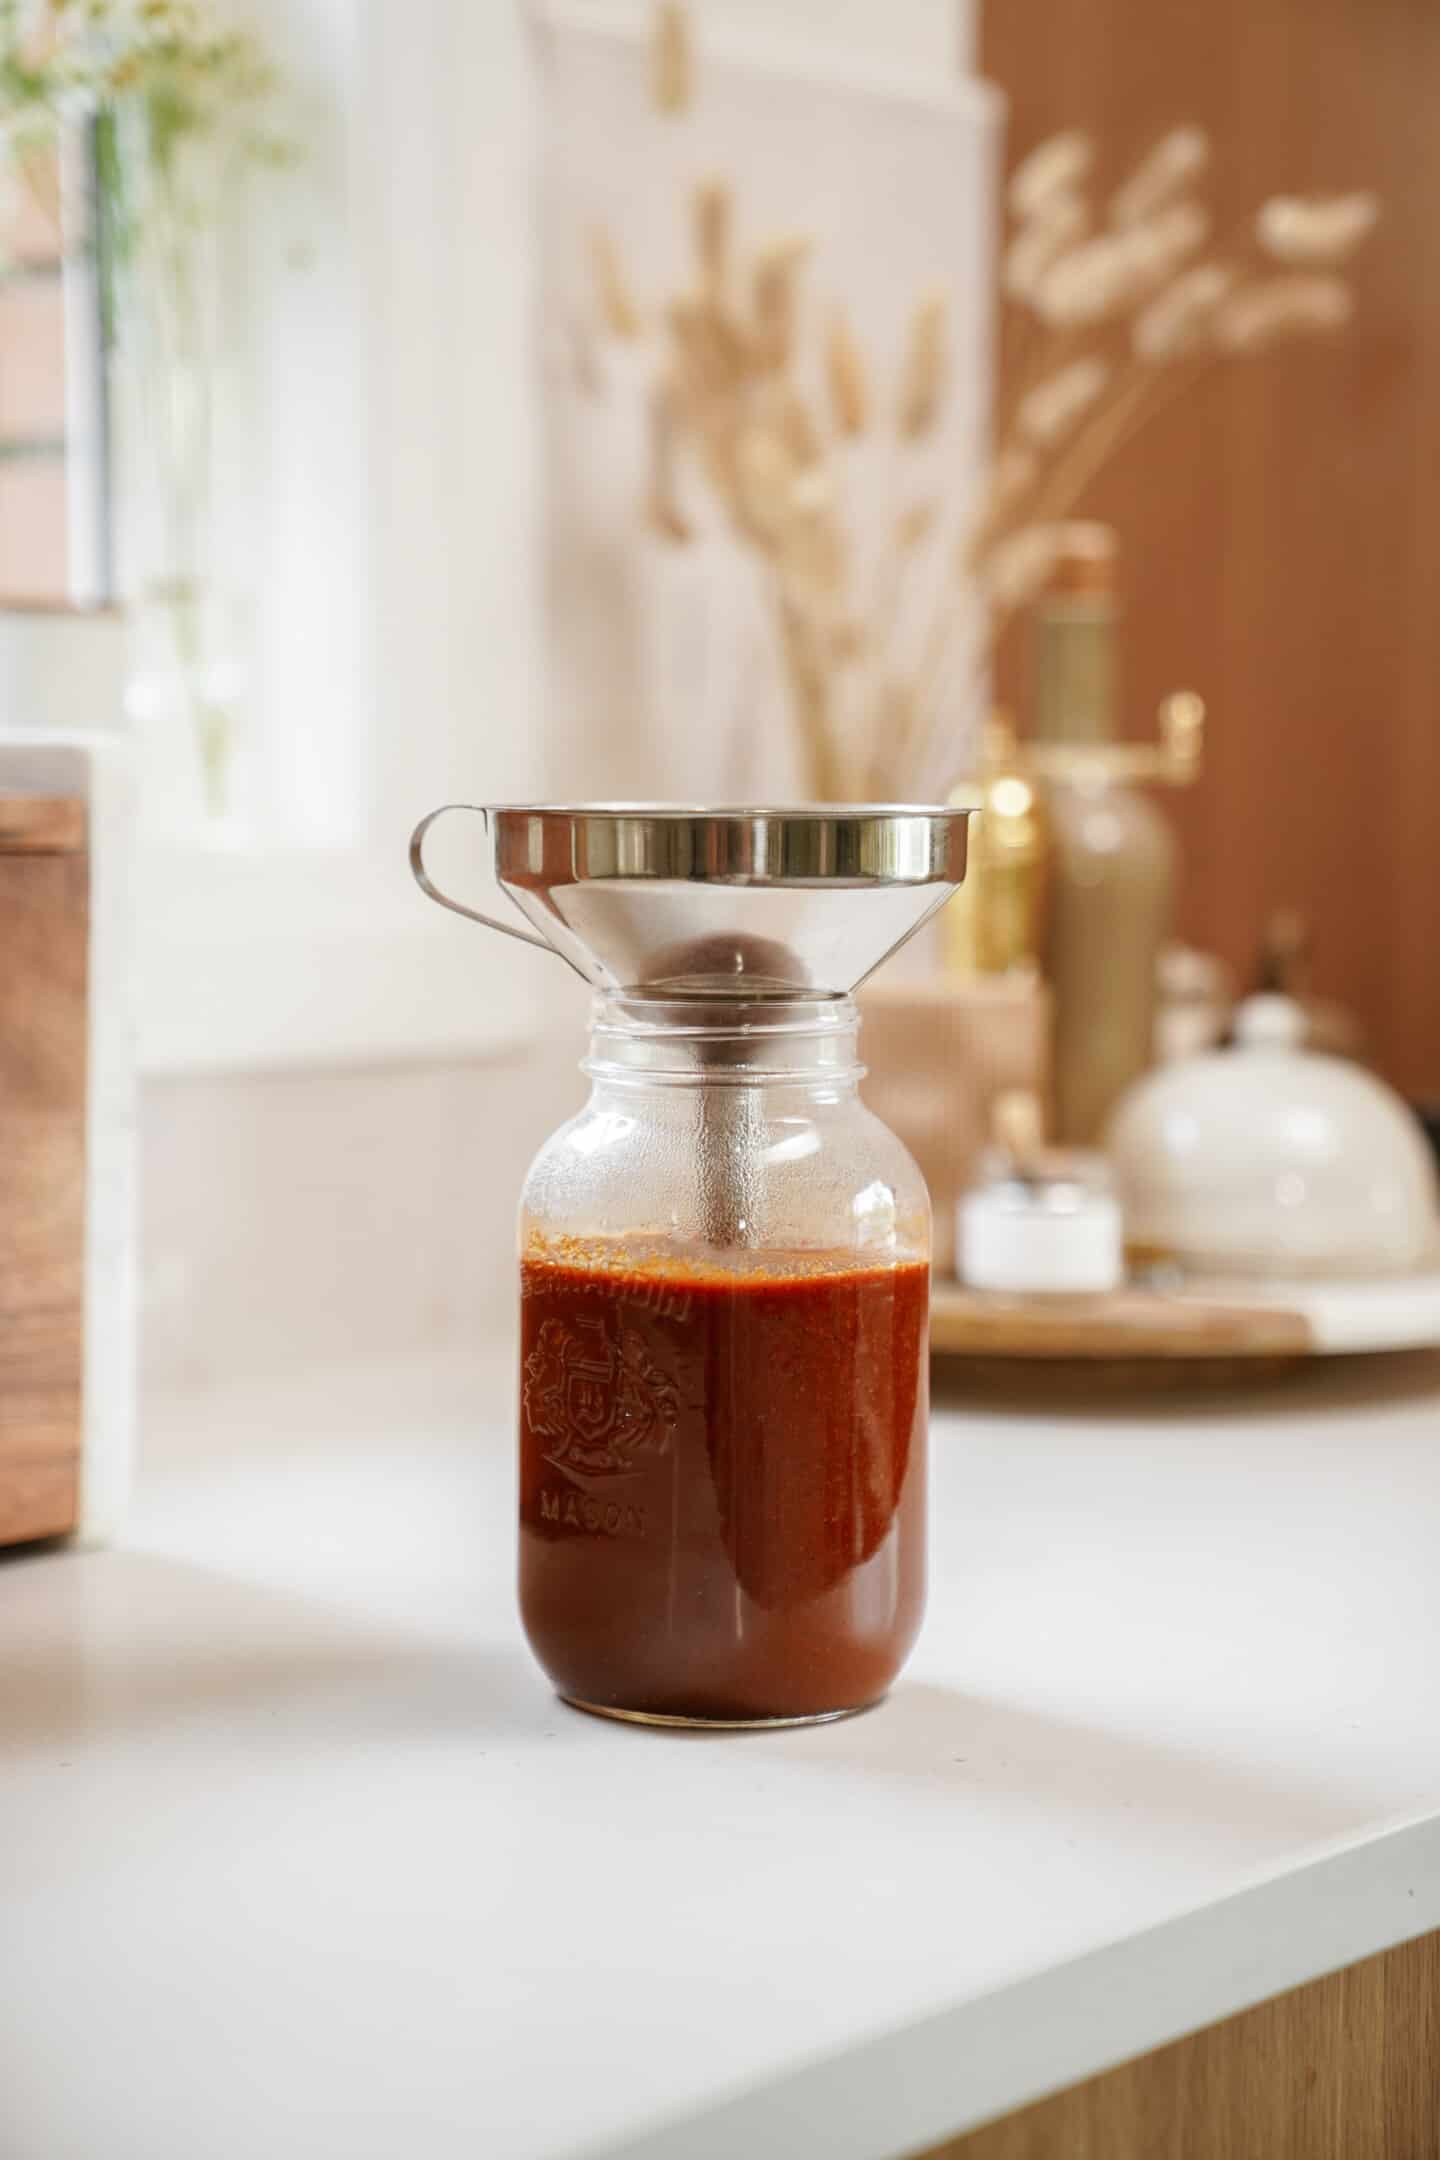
(808, 1042)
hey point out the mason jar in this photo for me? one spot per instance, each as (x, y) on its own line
(724, 1278)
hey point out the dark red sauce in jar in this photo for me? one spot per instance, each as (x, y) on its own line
(722, 1479)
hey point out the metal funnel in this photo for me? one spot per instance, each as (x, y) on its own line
(689, 901)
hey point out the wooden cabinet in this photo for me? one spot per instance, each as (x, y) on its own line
(1347, 2068)
(44, 940)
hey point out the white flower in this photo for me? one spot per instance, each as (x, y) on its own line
(1055, 404)
(1038, 243)
(1175, 160)
(1177, 317)
(1315, 229)
(1259, 313)
(1049, 173)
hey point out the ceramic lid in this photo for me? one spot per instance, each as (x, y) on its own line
(1272, 1158)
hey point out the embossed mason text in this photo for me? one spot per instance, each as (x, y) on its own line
(606, 1518)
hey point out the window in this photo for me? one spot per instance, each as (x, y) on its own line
(390, 557)
(54, 540)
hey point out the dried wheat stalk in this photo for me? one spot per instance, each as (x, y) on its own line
(847, 377)
(925, 372)
(672, 58)
(1118, 308)
(774, 285)
(663, 512)
(614, 301)
(712, 238)
(915, 525)
(1121, 318)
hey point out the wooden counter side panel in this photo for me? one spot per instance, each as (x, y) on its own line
(1347, 2068)
(44, 937)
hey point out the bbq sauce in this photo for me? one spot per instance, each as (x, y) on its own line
(722, 1479)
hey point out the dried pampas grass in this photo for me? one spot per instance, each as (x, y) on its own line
(1107, 322)
(712, 212)
(846, 377)
(1257, 315)
(1318, 231)
(774, 283)
(924, 373)
(614, 301)
(1091, 283)
(672, 59)
(915, 525)
(1177, 320)
(1050, 172)
(761, 401)
(1176, 160)
(1052, 408)
(1039, 244)
(1018, 566)
(662, 512)
(1013, 471)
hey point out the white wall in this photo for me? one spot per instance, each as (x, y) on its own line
(934, 35)
(297, 1219)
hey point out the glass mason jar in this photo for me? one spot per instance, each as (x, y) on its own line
(724, 1268)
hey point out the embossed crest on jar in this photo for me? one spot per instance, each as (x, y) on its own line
(593, 1391)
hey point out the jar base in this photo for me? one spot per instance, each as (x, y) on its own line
(715, 1724)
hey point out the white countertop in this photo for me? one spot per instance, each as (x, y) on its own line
(300, 1857)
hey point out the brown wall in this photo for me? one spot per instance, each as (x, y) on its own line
(1282, 528)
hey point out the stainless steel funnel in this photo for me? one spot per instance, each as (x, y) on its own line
(691, 901)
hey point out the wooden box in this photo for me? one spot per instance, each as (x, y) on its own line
(67, 1134)
(44, 970)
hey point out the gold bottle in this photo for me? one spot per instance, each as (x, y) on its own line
(1114, 858)
(995, 924)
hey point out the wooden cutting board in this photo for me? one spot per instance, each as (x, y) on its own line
(44, 944)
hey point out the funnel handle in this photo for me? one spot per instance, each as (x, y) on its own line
(457, 907)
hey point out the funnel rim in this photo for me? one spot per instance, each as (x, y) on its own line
(672, 811)
(635, 895)
(542, 846)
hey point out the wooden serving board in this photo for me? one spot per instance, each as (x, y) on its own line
(1118, 1324)
(1204, 1328)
